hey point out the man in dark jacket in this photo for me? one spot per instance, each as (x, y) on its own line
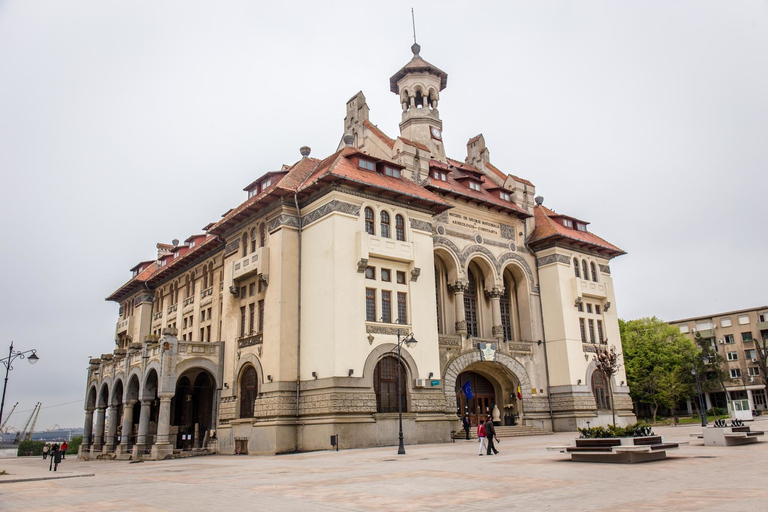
(490, 435)
(465, 425)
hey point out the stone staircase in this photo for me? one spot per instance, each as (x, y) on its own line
(516, 431)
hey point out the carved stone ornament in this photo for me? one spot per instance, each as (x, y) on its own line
(415, 273)
(458, 287)
(461, 326)
(361, 265)
(495, 293)
(497, 330)
(487, 351)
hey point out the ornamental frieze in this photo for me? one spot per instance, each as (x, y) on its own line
(553, 258)
(283, 220)
(231, 247)
(421, 225)
(328, 208)
(605, 269)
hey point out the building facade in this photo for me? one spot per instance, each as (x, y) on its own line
(740, 337)
(276, 327)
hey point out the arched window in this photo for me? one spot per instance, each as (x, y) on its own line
(585, 272)
(186, 287)
(384, 224)
(244, 243)
(600, 390)
(369, 225)
(506, 317)
(594, 272)
(210, 274)
(205, 277)
(262, 235)
(470, 305)
(386, 386)
(254, 237)
(192, 284)
(248, 389)
(400, 228)
(576, 267)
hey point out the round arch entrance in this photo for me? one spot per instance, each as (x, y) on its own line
(192, 409)
(483, 395)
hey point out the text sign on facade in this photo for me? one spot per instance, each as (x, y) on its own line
(465, 221)
(435, 383)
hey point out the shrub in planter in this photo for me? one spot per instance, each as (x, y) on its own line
(30, 448)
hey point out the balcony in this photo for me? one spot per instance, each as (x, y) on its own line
(124, 326)
(762, 326)
(188, 301)
(388, 248)
(707, 333)
(256, 263)
(158, 315)
(584, 288)
(172, 309)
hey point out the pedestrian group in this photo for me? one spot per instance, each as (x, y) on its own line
(57, 453)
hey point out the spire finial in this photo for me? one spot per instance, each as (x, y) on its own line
(415, 48)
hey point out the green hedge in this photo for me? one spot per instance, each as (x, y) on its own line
(74, 444)
(611, 431)
(30, 448)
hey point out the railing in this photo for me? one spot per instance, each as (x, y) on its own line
(173, 308)
(206, 292)
(158, 315)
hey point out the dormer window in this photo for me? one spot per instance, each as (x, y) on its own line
(440, 176)
(505, 196)
(135, 273)
(391, 171)
(191, 244)
(164, 262)
(568, 223)
(266, 183)
(366, 164)
(581, 227)
(176, 254)
(474, 185)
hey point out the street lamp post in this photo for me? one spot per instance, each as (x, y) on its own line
(32, 358)
(410, 341)
(702, 407)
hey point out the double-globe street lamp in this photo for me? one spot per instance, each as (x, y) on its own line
(410, 341)
(32, 358)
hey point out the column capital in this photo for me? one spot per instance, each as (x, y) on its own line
(458, 287)
(495, 293)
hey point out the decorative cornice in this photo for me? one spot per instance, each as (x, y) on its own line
(553, 258)
(283, 220)
(421, 225)
(231, 247)
(329, 208)
(381, 329)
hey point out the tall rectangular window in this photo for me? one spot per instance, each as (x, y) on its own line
(208, 333)
(251, 317)
(242, 321)
(583, 330)
(591, 330)
(729, 339)
(402, 313)
(746, 336)
(600, 331)
(370, 305)
(386, 306)
(261, 316)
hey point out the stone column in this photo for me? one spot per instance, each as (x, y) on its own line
(146, 405)
(496, 327)
(88, 428)
(163, 446)
(125, 438)
(458, 290)
(98, 437)
(111, 428)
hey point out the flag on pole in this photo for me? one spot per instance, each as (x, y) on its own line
(467, 389)
(519, 394)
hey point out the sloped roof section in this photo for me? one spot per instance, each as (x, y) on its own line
(416, 65)
(380, 134)
(549, 230)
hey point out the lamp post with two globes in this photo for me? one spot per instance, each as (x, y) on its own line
(32, 358)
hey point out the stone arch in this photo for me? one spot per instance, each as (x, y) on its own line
(118, 385)
(452, 249)
(202, 363)
(102, 400)
(475, 250)
(450, 261)
(90, 398)
(133, 389)
(383, 350)
(511, 256)
(252, 360)
(490, 274)
(149, 390)
(458, 364)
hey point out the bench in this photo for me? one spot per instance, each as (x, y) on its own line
(735, 435)
(625, 450)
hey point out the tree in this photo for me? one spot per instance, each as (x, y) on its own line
(711, 366)
(658, 361)
(607, 362)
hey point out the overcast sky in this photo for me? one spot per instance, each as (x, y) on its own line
(124, 124)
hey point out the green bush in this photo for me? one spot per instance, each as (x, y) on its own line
(74, 445)
(717, 411)
(30, 448)
(611, 431)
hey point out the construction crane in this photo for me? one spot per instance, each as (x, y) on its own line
(34, 422)
(2, 427)
(21, 436)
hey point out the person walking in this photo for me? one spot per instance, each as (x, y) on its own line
(54, 449)
(46, 449)
(465, 424)
(64, 446)
(481, 437)
(55, 460)
(490, 434)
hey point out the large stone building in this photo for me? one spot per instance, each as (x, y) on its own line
(275, 328)
(740, 337)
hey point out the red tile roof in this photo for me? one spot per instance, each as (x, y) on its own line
(453, 186)
(415, 65)
(380, 134)
(549, 230)
(416, 144)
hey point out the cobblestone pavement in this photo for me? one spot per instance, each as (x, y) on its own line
(523, 476)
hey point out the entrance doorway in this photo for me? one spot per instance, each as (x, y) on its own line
(483, 397)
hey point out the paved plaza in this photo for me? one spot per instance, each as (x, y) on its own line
(523, 476)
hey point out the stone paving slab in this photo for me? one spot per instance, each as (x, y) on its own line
(524, 476)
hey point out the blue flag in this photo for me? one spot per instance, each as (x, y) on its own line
(467, 389)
